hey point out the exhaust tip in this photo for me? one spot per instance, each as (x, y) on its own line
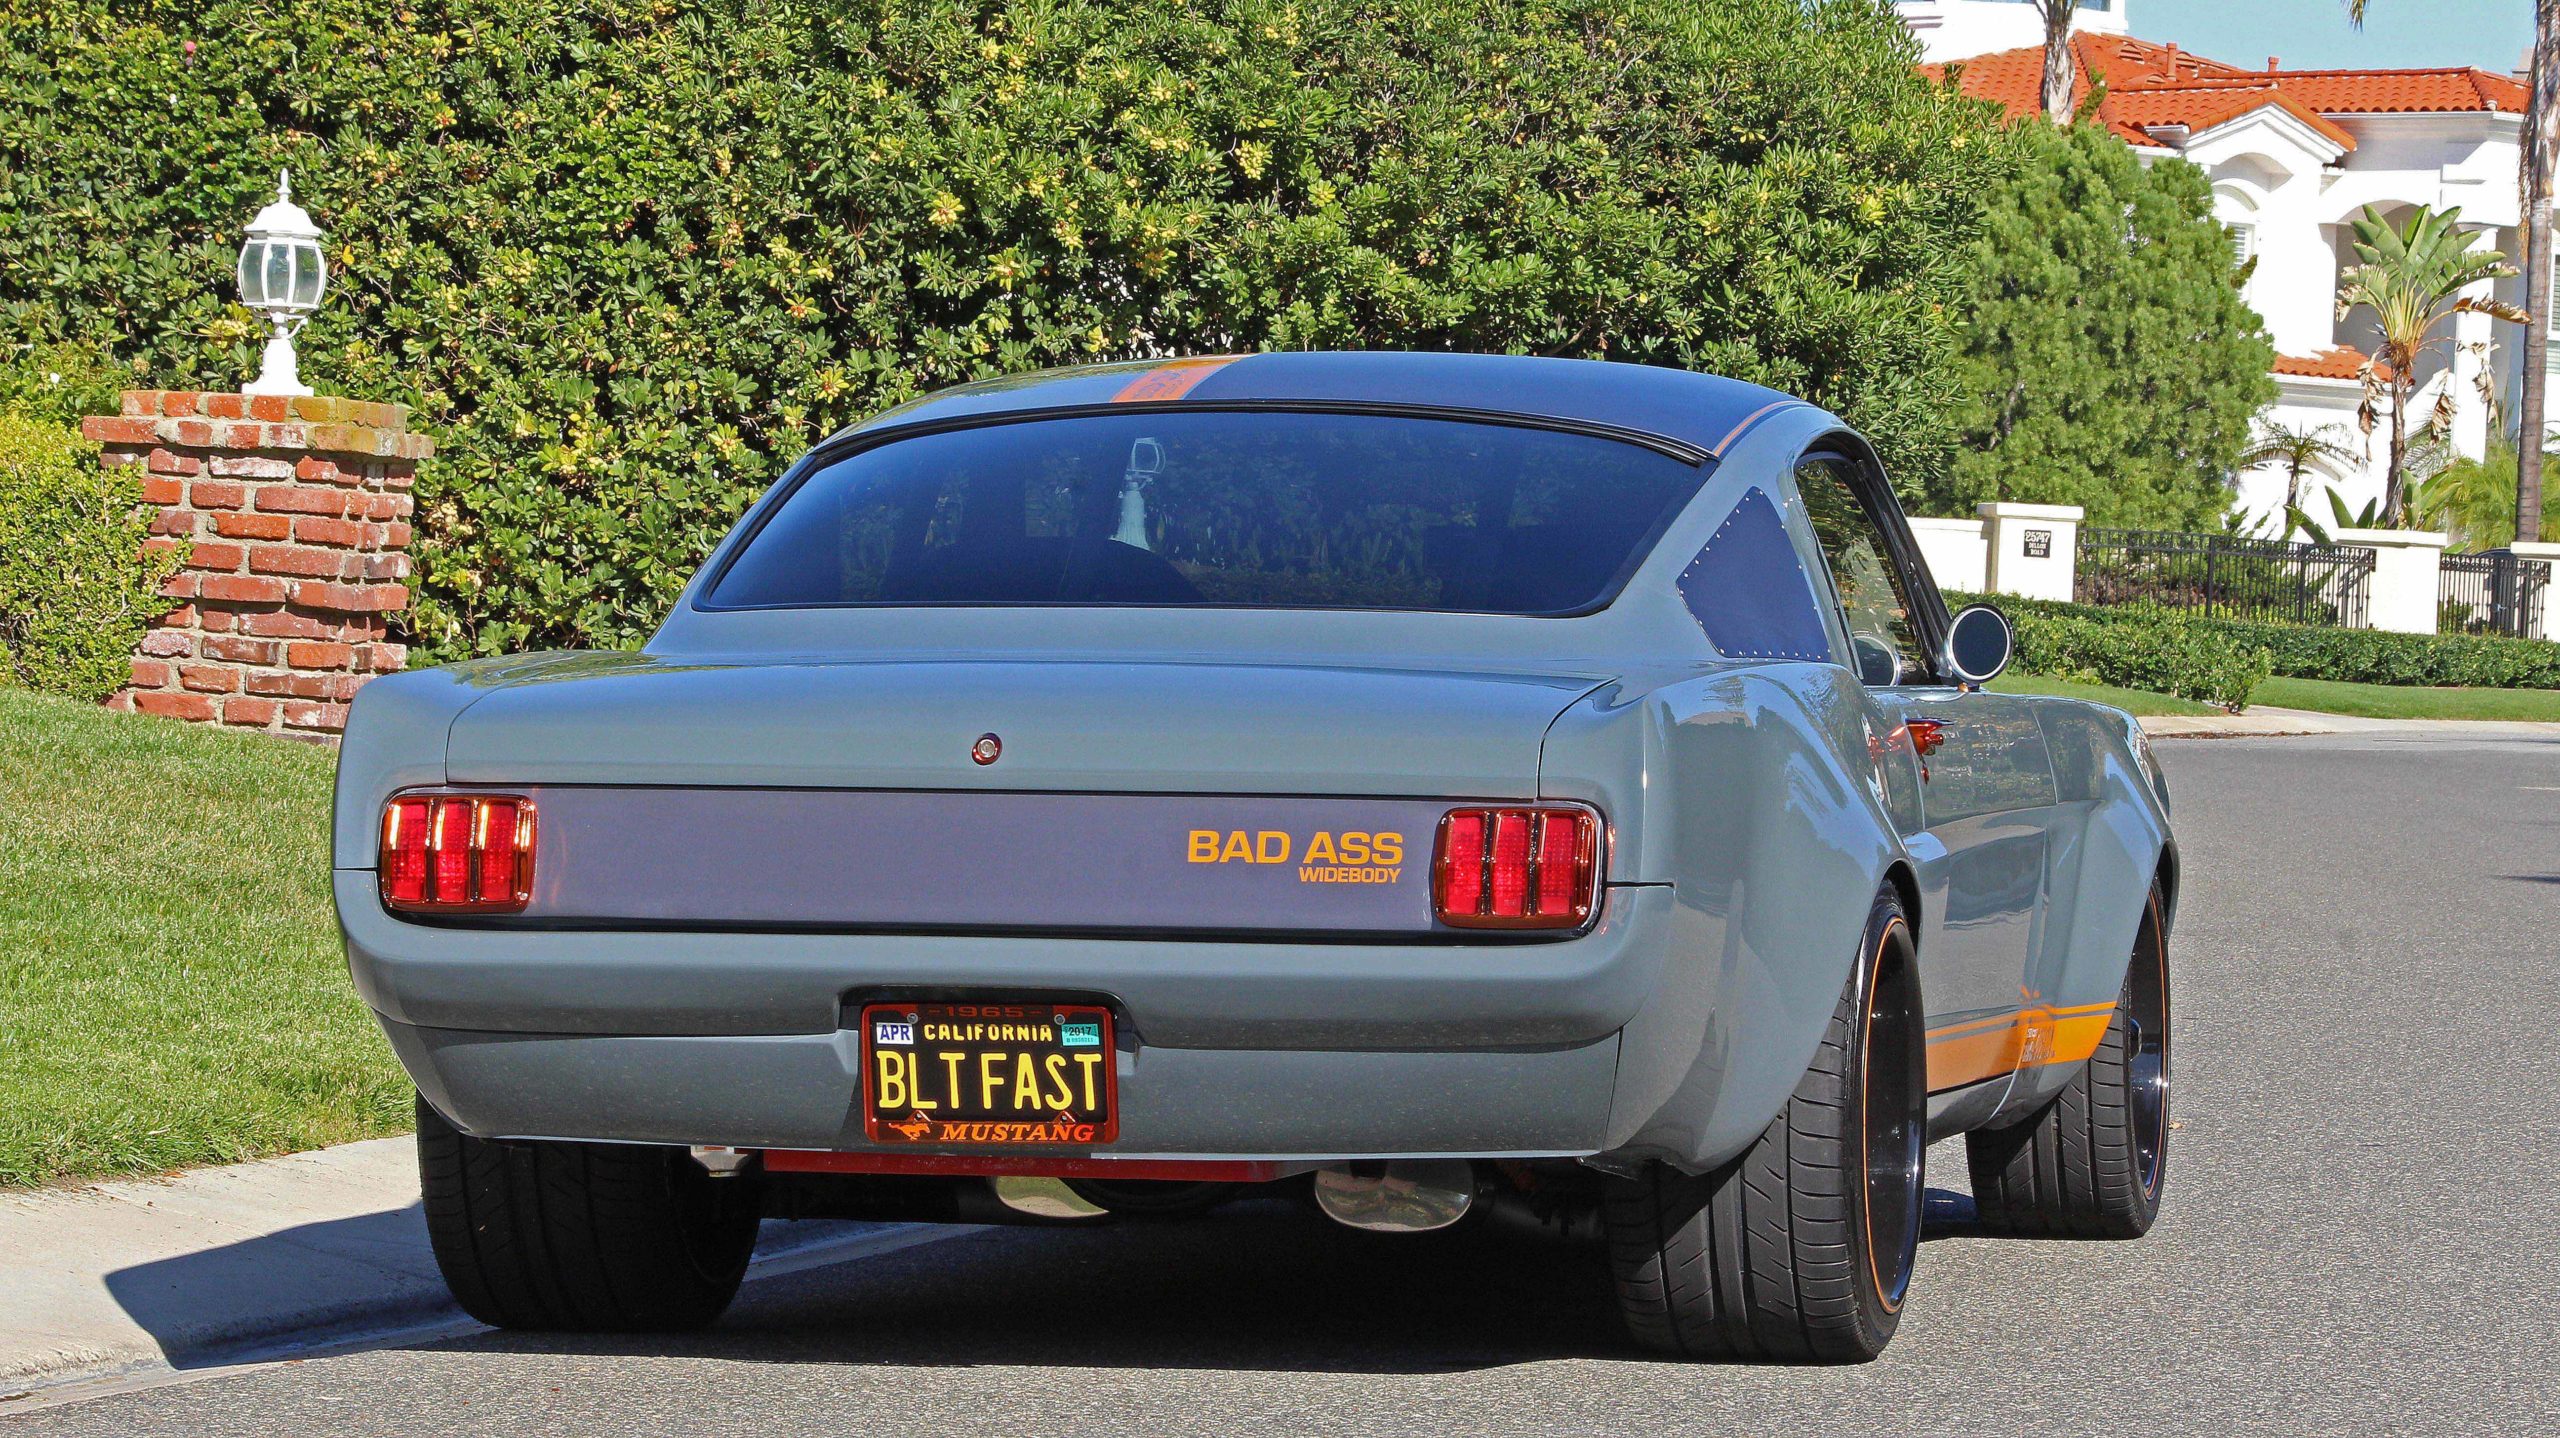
(1045, 1198)
(721, 1161)
(1398, 1195)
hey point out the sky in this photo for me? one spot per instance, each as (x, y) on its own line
(2314, 34)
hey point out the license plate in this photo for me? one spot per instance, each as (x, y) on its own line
(989, 1075)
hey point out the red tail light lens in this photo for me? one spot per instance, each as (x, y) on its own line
(457, 853)
(1516, 868)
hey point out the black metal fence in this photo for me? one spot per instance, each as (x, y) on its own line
(2492, 592)
(2226, 576)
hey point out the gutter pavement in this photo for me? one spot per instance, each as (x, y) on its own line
(2267, 721)
(130, 1281)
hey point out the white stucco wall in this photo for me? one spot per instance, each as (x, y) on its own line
(1954, 551)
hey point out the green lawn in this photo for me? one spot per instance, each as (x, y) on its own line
(2407, 701)
(2132, 701)
(172, 991)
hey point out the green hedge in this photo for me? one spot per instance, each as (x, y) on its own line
(2304, 651)
(2162, 653)
(76, 587)
(2370, 656)
(627, 258)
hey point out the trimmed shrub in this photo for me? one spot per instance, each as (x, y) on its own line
(77, 589)
(2305, 651)
(2372, 656)
(61, 383)
(2161, 653)
(626, 258)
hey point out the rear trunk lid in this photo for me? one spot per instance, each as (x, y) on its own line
(1126, 794)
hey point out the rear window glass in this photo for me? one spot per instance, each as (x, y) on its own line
(1274, 510)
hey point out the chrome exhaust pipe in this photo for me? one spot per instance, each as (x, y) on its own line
(1399, 1195)
(1047, 1200)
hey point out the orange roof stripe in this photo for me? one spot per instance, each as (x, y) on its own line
(1171, 380)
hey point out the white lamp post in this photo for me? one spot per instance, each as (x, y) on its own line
(282, 276)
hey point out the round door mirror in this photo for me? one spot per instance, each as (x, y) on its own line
(1978, 645)
(1879, 663)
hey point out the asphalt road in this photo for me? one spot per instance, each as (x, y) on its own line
(2359, 1233)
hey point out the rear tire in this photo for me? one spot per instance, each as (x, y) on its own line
(585, 1237)
(2092, 1162)
(1802, 1249)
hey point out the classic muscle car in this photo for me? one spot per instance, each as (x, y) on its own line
(1427, 786)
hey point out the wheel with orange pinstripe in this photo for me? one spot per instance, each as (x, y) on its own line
(1802, 1249)
(2091, 1163)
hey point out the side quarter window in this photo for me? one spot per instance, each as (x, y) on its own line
(1749, 590)
(1872, 597)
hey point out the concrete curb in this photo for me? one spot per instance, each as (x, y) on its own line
(136, 1278)
(2257, 723)
(2265, 721)
(118, 1274)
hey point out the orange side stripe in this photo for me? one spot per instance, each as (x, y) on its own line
(1970, 1052)
(1172, 380)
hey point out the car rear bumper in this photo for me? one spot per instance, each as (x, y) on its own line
(1244, 1050)
(798, 1091)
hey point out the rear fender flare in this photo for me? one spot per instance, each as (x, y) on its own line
(1774, 846)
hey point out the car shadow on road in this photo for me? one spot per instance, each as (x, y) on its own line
(205, 1309)
(1263, 1286)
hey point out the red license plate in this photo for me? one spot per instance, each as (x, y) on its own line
(989, 1075)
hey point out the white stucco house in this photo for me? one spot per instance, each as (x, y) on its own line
(2293, 154)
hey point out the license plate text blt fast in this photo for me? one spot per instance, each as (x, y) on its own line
(987, 1082)
(977, 1074)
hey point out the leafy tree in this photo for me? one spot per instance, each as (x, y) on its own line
(628, 257)
(2413, 279)
(2107, 357)
(2300, 449)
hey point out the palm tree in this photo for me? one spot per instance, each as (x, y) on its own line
(2299, 451)
(2057, 55)
(2413, 279)
(2540, 149)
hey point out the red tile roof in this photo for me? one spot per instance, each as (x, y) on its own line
(2344, 362)
(2150, 86)
(2403, 92)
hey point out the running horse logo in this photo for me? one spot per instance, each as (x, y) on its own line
(914, 1128)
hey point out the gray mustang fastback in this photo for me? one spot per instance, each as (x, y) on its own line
(1430, 785)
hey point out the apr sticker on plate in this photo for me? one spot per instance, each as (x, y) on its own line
(899, 1035)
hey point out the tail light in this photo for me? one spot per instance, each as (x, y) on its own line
(1516, 868)
(457, 853)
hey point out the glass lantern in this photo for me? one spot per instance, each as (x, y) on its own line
(282, 276)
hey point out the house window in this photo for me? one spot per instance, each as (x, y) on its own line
(2244, 242)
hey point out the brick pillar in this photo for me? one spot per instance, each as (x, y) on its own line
(297, 512)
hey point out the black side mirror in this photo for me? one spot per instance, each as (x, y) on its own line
(1978, 646)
